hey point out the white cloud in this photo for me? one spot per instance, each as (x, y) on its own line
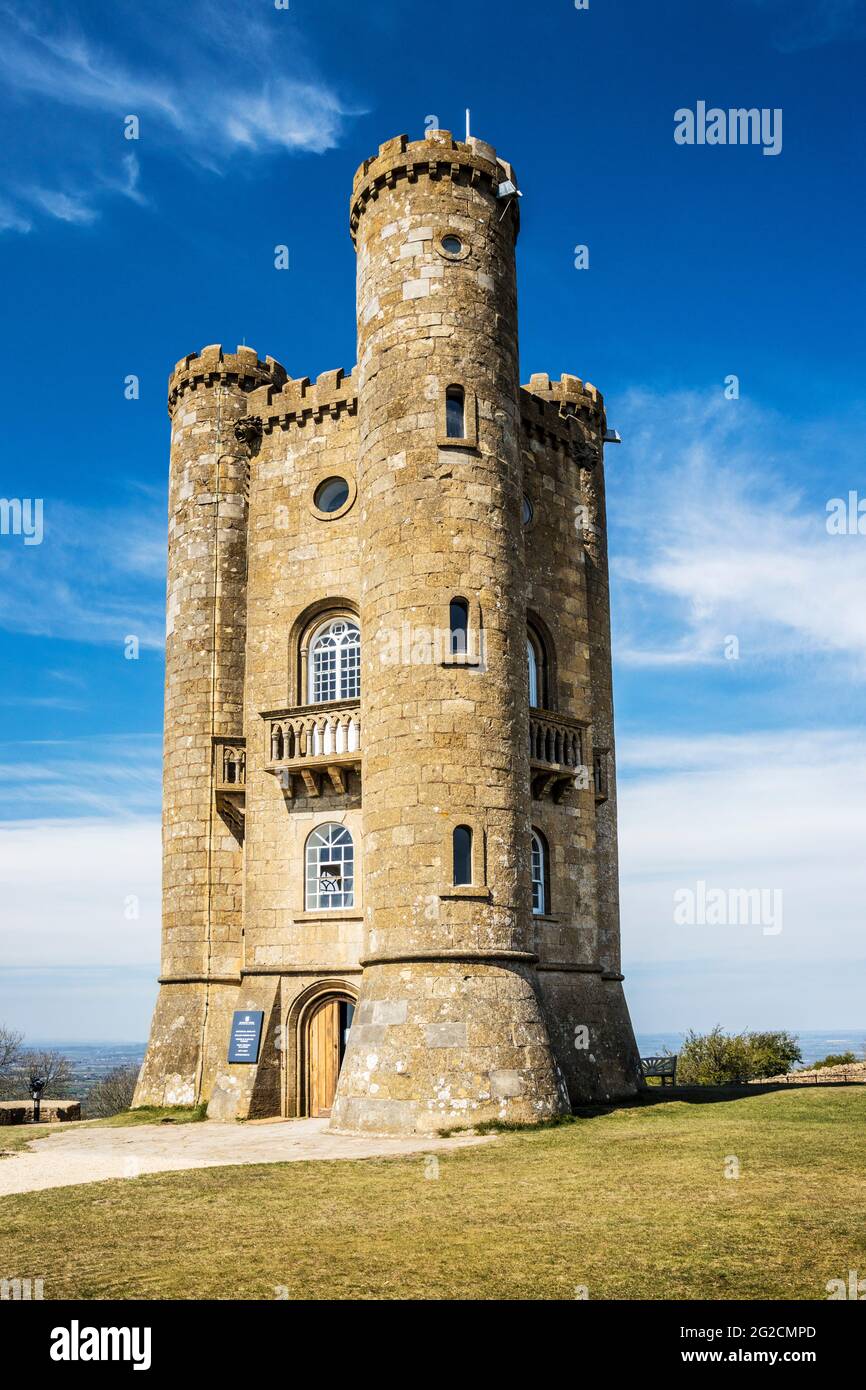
(755, 811)
(128, 182)
(13, 220)
(197, 95)
(67, 207)
(711, 539)
(117, 775)
(69, 887)
(804, 25)
(98, 576)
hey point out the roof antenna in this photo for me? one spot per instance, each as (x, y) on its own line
(468, 137)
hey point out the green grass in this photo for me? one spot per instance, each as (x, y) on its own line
(14, 1138)
(632, 1203)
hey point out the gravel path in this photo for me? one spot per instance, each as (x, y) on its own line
(80, 1155)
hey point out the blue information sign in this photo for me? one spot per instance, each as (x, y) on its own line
(246, 1035)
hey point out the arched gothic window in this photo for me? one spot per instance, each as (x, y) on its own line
(330, 863)
(540, 905)
(532, 663)
(536, 661)
(335, 662)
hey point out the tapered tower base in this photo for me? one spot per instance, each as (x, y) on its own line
(188, 1037)
(447, 1041)
(591, 1034)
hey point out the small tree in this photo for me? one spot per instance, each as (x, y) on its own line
(54, 1069)
(771, 1054)
(17, 1065)
(112, 1093)
(10, 1058)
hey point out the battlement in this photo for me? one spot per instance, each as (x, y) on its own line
(568, 412)
(242, 368)
(437, 156)
(568, 391)
(298, 400)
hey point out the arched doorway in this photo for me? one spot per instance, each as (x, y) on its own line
(326, 1028)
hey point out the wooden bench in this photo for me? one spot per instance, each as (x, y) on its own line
(663, 1067)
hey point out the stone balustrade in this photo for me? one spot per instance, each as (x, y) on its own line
(311, 740)
(556, 754)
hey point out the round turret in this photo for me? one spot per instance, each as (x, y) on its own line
(448, 989)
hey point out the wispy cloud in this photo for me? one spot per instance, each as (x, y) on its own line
(67, 207)
(802, 24)
(98, 576)
(713, 539)
(197, 97)
(80, 891)
(119, 776)
(759, 810)
(12, 219)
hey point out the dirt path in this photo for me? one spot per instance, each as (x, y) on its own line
(78, 1155)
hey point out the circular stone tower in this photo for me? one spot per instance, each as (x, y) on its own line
(449, 1026)
(202, 863)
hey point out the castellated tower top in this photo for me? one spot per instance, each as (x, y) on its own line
(438, 156)
(210, 366)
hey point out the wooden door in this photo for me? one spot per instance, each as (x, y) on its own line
(324, 1056)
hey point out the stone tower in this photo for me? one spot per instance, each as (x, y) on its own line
(390, 819)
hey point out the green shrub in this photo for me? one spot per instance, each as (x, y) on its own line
(720, 1059)
(835, 1059)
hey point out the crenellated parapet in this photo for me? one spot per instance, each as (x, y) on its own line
(439, 156)
(298, 401)
(568, 413)
(212, 366)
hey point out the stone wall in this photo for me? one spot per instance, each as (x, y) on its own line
(20, 1112)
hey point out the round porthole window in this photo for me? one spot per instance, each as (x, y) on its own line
(528, 511)
(331, 495)
(452, 245)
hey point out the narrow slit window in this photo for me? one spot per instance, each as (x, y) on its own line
(539, 875)
(532, 667)
(599, 774)
(462, 855)
(455, 412)
(459, 627)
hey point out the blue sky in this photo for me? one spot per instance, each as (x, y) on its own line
(120, 256)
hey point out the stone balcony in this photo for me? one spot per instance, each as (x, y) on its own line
(556, 755)
(230, 781)
(314, 747)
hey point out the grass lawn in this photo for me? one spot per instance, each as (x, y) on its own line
(632, 1204)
